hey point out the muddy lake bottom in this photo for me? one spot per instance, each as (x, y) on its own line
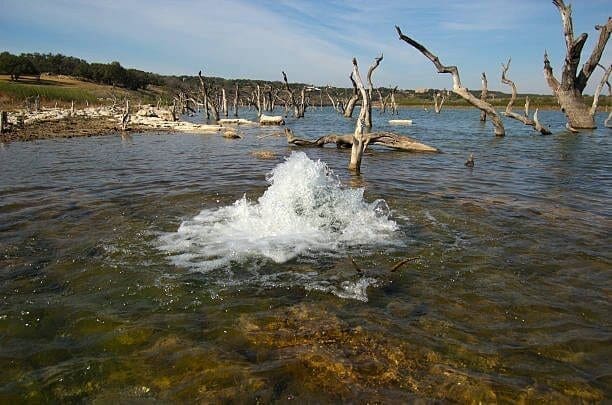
(166, 267)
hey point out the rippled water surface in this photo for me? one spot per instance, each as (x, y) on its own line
(176, 267)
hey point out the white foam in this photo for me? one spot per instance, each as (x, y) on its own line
(305, 212)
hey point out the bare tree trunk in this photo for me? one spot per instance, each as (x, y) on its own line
(359, 143)
(394, 110)
(598, 89)
(301, 107)
(569, 90)
(296, 110)
(483, 96)
(3, 121)
(209, 106)
(258, 101)
(224, 102)
(457, 87)
(125, 119)
(235, 99)
(350, 105)
(439, 100)
(383, 102)
(331, 99)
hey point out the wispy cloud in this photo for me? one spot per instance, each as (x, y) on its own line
(312, 40)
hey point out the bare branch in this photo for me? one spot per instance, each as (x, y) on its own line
(552, 81)
(598, 89)
(457, 87)
(589, 66)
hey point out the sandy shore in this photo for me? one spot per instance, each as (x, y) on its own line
(94, 121)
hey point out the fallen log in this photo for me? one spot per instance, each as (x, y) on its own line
(271, 120)
(400, 122)
(237, 121)
(387, 139)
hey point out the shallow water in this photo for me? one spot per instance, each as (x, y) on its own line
(152, 267)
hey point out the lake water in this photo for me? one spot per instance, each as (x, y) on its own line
(167, 267)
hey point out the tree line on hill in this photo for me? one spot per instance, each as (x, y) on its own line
(33, 64)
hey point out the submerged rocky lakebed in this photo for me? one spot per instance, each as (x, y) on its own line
(182, 267)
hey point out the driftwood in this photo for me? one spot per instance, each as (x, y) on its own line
(573, 82)
(388, 139)
(271, 120)
(237, 121)
(400, 122)
(511, 114)
(457, 86)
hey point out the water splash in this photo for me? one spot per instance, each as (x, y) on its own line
(304, 213)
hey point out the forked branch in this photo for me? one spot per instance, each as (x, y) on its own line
(457, 87)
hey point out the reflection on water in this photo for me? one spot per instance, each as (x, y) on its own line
(507, 299)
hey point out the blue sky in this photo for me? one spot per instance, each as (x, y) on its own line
(313, 41)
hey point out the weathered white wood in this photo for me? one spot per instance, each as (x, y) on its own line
(573, 82)
(237, 121)
(271, 120)
(367, 117)
(387, 139)
(511, 114)
(350, 105)
(400, 122)
(439, 99)
(125, 119)
(359, 143)
(483, 95)
(597, 93)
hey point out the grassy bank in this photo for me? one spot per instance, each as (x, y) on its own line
(64, 90)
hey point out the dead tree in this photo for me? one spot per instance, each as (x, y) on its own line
(331, 99)
(3, 121)
(383, 101)
(125, 119)
(509, 113)
(439, 99)
(224, 103)
(236, 95)
(297, 110)
(209, 105)
(394, 110)
(457, 86)
(483, 96)
(350, 105)
(359, 140)
(368, 115)
(569, 90)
